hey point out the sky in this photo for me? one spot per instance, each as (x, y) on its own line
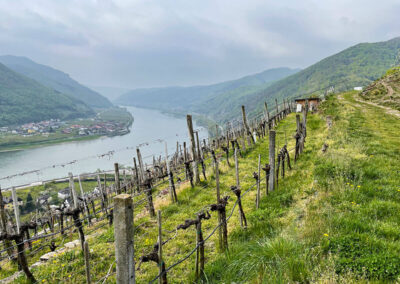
(153, 43)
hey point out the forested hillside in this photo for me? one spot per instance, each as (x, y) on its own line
(356, 66)
(55, 79)
(177, 99)
(24, 100)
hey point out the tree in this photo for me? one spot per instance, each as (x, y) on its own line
(29, 205)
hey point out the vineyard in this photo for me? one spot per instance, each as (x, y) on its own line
(170, 186)
(241, 200)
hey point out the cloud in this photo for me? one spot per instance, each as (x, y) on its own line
(135, 43)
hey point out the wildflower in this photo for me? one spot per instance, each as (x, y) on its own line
(43, 280)
(347, 183)
(326, 235)
(398, 190)
(351, 185)
(69, 276)
(358, 186)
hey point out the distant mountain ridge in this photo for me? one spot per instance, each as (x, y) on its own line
(189, 98)
(358, 65)
(55, 79)
(25, 100)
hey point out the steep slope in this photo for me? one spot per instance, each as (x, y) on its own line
(184, 98)
(24, 100)
(385, 91)
(356, 66)
(111, 93)
(54, 79)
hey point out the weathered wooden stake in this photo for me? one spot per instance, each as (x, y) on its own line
(193, 149)
(16, 209)
(117, 182)
(72, 189)
(172, 191)
(123, 232)
(160, 244)
(141, 165)
(220, 229)
(87, 262)
(272, 160)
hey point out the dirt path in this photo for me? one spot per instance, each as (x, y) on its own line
(388, 110)
(388, 88)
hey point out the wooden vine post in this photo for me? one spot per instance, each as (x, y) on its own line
(193, 149)
(258, 182)
(123, 232)
(200, 156)
(117, 181)
(141, 165)
(149, 195)
(84, 200)
(246, 125)
(172, 190)
(87, 262)
(161, 265)
(16, 208)
(220, 229)
(272, 160)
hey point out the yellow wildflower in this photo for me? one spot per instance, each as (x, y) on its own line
(326, 235)
(69, 276)
(358, 186)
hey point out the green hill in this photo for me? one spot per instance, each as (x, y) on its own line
(176, 99)
(358, 65)
(385, 91)
(55, 79)
(25, 100)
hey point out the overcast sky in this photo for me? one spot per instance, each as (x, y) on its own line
(145, 43)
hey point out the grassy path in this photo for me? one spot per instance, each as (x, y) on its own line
(337, 218)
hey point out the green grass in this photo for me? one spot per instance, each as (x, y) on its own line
(337, 219)
(334, 218)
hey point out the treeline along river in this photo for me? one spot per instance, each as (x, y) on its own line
(54, 161)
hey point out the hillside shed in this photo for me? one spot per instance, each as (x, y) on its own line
(313, 104)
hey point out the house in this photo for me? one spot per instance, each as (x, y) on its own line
(64, 193)
(358, 88)
(312, 103)
(8, 202)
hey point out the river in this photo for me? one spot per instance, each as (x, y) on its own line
(79, 157)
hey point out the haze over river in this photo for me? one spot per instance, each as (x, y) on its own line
(148, 127)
